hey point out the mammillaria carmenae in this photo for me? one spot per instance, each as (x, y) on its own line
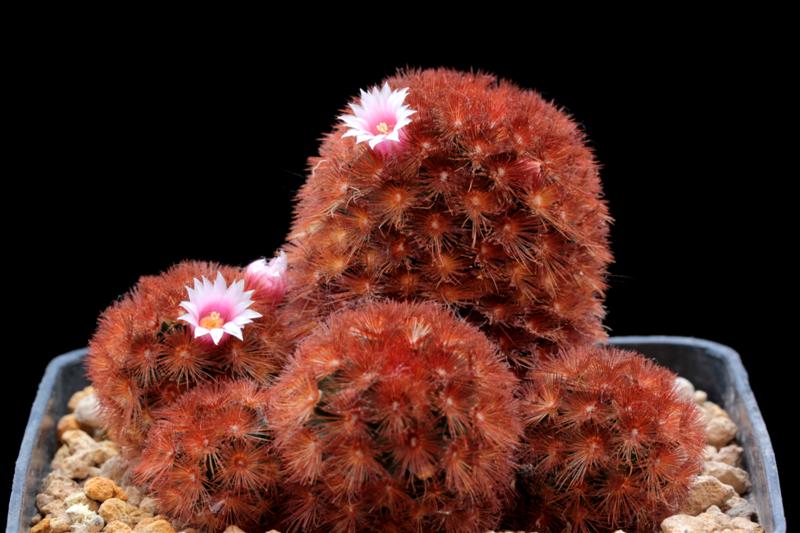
(610, 443)
(209, 461)
(149, 348)
(396, 417)
(458, 188)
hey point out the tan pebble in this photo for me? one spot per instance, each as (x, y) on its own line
(66, 423)
(36, 519)
(78, 466)
(101, 488)
(42, 526)
(80, 497)
(739, 507)
(704, 492)
(78, 440)
(115, 468)
(700, 396)
(730, 454)
(55, 488)
(744, 525)
(233, 529)
(720, 429)
(684, 388)
(683, 523)
(116, 509)
(148, 505)
(730, 475)
(60, 523)
(84, 455)
(117, 527)
(50, 506)
(155, 526)
(713, 520)
(57, 485)
(109, 449)
(75, 398)
(709, 453)
(58, 459)
(134, 495)
(712, 410)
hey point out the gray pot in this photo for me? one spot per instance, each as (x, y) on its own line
(712, 367)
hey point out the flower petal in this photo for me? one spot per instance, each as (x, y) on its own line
(188, 317)
(233, 329)
(216, 335)
(189, 306)
(377, 104)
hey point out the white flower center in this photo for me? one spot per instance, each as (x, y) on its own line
(212, 320)
(382, 127)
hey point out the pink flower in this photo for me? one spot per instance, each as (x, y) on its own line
(380, 118)
(268, 279)
(214, 309)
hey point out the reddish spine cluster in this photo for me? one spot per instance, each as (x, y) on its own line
(209, 460)
(609, 443)
(492, 205)
(142, 357)
(398, 414)
(396, 417)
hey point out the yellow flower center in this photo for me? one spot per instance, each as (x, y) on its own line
(212, 321)
(382, 127)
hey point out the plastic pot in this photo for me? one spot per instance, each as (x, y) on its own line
(710, 366)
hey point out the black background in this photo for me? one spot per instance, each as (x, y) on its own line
(132, 154)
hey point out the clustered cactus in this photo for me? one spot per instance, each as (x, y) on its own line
(609, 443)
(209, 459)
(492, 206)
(396, 417)
(143, 357)
(428, 362)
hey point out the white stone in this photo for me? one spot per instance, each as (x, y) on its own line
(87, 412)
(84, 520)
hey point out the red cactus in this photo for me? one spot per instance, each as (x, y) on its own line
(609, 443)
(490, 202)
(209, 460)
(396, 417)
(142, 357)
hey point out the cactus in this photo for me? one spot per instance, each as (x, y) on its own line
(483, 197)
(146, 351)
(208, 460)
(395, 417)
(609, 443)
